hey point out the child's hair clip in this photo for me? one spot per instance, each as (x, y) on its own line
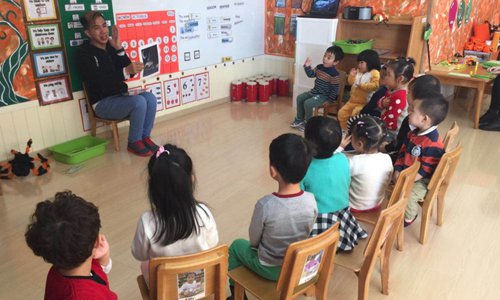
(161, 150)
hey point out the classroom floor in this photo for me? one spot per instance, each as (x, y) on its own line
(229, 146)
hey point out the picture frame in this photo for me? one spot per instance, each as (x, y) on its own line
(149, 55)
(48, 64)
(39, 10)
(44, 36)
(54, 90)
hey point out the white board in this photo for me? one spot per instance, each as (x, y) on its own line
(208, 30)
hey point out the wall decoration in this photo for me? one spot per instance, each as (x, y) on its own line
(280, 3)
(202, 86)
(172, 95)
(45, 36)
(461, 12)
(49, 63)
(155, 89)
(188, 89)
(293, 26)
(54, 90)
(17, 83)
(453, 13)
(39, 10)
(279, 24)
(297, 4)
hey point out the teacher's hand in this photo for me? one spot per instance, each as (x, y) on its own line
(134, 67)
(115, 38)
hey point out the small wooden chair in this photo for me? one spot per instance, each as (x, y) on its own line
(450, 137)
(297, 256)
(362, 259)
(437, 188)
(163, 273)
(400, 192)
(94, 119)
(330, 108)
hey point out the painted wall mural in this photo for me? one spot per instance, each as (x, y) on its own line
(16, 73)
(445, 42)
(391, 7)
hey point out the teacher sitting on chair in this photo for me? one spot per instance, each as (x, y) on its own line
(491, 120)
(105, 66)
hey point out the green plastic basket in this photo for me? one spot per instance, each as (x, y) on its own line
(351, 48)
(79, 150)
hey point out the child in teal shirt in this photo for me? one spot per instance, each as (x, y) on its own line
(328, 178)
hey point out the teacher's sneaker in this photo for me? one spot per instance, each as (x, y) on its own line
(296, 123)
(138, 148)
(150, 144)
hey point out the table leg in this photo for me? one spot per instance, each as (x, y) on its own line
(478, 103)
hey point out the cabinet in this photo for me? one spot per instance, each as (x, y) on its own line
(400, 36)
(314, 36)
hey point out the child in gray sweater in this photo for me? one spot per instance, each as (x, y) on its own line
(280, 218)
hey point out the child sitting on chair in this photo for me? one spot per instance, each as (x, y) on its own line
(326, 86)
(423, 144)
(281, 218)
(328, 178)
(364, 81)
(65, 232)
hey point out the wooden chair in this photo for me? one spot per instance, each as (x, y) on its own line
(437, 188)
(362, 259)
(450, 137)
(297, 256)
(400, 193)
(94, 119)
(163, 273)
(332, 108)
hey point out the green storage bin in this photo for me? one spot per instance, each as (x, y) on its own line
(79, 150)
(351, 48)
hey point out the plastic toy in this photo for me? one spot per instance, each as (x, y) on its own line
(22, 164)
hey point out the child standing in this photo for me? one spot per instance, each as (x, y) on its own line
(364, 81)
(422, 144)
(328, 178)
(326, 86)
(370, 170)
(177, 224)
(281, 218)
(394, 105)
(65, 232)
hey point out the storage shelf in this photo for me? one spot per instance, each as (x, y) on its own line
(392, 21)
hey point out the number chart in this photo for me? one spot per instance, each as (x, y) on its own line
(172, 95)
(155, 89)
(188, 89)
(202, 86)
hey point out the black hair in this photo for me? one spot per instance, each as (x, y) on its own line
(370, 130)
(371, 58)
(89, 17)
(402, 66)
(64, 230)
(325, 134)
(290, 155)
(435, 106)
(171, 195)
(336, 51)
(424, 85)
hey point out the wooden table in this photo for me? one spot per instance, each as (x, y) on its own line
(467, 81)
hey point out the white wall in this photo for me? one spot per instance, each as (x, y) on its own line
(60, 122)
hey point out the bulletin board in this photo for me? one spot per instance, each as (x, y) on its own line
(208, 30)
(72, 29)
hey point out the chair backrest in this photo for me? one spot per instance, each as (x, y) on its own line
(166, 273)
(404, 184)
(384, 234)
(343, 80)
(450, 137)
(90, 109)
(443, 173)
(308, 262)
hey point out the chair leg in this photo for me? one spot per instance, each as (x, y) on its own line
(440, 208)
(384, 273)
(424, 223)
(400, 238)
(93, 127)
(239, 291)
(363, 286)
(116, 137)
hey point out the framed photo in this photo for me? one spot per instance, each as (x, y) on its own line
(45, 36)
(49, 63)
(191, 285)
(39, 10)
(54, 90)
